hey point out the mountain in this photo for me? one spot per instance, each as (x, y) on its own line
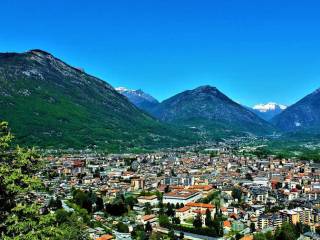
(49, 103)
(139, 98)
(208, 109)
(269, 110)
(303, 115)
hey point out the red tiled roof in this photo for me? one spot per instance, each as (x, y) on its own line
(183, 209)
(226, 224)
(105, 237)
(201, 205)
(148, 217)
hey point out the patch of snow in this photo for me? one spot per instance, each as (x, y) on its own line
(122, 89)
(271, 106)
(297, 124)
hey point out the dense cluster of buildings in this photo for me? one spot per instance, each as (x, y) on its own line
(251, 193)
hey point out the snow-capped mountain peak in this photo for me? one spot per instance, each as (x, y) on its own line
(122, 89)
(139, 98)
(271, 106)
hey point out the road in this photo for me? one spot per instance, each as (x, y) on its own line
(187, 235)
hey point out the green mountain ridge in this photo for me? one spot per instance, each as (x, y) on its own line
(49, 103)
(303, 116)
(207, 108)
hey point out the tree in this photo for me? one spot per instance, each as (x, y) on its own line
(20, 214)
(286, 232)
(147, 208)
(171, 234)
(156, 236)
(163, 220)
(248, 176)
(148, 227)
(176, 220)
(208, 219)
(259, 236)
(62, 216)
(197, 222)
(123, 228)
(55, 204)
(238, 236)
(99, 204)
(130, 201)
(139, 233)
(170, 211)
(159, 196)
(252, 227)
(237, 193)
(83, 199)
(302, 228)
(116, 209)
(217, 225)
(269, 235)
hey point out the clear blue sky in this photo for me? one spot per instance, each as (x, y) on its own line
(254, 51)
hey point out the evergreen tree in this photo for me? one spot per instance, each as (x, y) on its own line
(148, 227)
(197, 222)
(208, 219)
(20, 215)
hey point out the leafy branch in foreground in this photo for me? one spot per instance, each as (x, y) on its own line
(21, 215)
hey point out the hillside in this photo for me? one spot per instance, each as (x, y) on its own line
(49, 103)
(139, 98)
(210, 110)
(301, 116)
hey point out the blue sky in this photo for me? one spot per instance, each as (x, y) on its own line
(253, 51)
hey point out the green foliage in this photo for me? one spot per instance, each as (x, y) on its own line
(20, 217)
(163, 220)
(66, 108)
(55, 204)
(172, 235)
(170, 210)
(212, 196)
(123, 228)
(287, 232)
(84, 199)
(237, 193)
(147, 208)
(259, 236)
(116, 208)
(148, 227)
(139, 233)
(176, 220)
(208, 219)
(197, 222)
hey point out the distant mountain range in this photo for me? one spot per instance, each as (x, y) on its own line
(301, 116)
(269, 110)
(204, 108)
(49, 103)
(139, 98)
(147, 103)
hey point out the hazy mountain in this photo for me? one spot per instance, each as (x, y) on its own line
(139, 98)
(207, 108)
(50, 103)
(269, 110)
(303, 115)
